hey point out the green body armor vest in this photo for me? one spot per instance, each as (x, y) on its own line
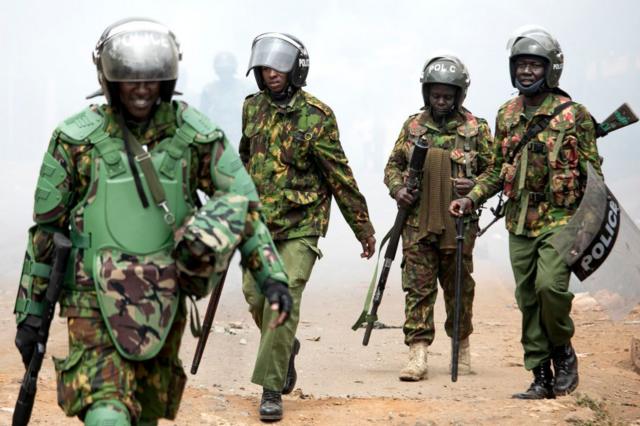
(127, 248)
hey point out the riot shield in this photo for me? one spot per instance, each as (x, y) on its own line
(601, 245)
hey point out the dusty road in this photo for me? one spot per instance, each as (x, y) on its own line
(342, 382)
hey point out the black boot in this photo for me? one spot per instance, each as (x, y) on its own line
(271, 405)
(565, 365)
(292, 376)
(542, 386)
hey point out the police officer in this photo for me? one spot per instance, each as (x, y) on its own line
(119, 179)
(544, 180)
(291, 147)
(459, 149)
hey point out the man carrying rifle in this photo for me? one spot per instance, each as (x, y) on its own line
(291, 147)
(120, 179)
(542, 170)
(459, 149)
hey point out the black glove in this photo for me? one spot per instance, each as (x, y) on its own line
(26, 339)
(278, 292)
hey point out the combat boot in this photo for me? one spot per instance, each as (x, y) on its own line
(464, 358)
(271, 405)
(542, 386)
(565, 365)
(416, 368)
(292, 376)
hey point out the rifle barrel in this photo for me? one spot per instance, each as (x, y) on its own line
(207, 322)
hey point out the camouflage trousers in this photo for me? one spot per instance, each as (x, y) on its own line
(95, 370)
(423, 265)
(272, 363)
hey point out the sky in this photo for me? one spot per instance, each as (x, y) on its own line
(366, 58)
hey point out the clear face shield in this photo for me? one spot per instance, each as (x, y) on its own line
(274, 53)
(139, 51)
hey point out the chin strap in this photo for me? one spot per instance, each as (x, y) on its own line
(283, 96)
(534, 89)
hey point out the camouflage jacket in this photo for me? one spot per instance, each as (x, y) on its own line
(78, 186)
(546, 181)
(294, 156)
(466, 136)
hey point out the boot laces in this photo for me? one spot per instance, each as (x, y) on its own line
(271, 396)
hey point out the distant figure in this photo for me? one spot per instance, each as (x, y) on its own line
(221, 99)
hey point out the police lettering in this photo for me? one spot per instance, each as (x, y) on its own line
(442, 67)
(603, 246)
(303, 62)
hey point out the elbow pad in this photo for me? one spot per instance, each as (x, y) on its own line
(33, 274)
(229, 175)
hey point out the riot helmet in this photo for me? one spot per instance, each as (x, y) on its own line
(536, 41)
(283, 53)
(445, 68)
(225, 65)
(137, 49)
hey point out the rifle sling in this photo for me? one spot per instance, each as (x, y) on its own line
(536, 128)
(364, 315)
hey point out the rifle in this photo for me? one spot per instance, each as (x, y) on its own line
(413, 181)
(621, 117)
(207, 323)
(455, 341)
(28, 388)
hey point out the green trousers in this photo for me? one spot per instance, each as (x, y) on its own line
(272, 363)
(543, 296)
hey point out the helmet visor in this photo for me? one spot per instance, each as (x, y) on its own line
(141, 55)
(274, 53)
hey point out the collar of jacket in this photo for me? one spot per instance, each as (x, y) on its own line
(163, 119)
(296, 102)
(426, 120)
(550, 102)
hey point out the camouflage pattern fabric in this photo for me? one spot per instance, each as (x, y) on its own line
(95, 370)
(138, 296)
(469, 141)
(208, 239)
(76, 159)
(452, 136)
(294, 156)
(423, 265)
(545, 184)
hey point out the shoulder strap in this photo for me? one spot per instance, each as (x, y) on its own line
(536, 128)
(143, 158)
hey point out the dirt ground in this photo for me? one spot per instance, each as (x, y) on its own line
(341, 382)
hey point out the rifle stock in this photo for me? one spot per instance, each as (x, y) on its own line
(621, 117)
(416, 165)
(28, 388)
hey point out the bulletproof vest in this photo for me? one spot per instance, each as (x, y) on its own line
(112, 214)
(127, 247)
